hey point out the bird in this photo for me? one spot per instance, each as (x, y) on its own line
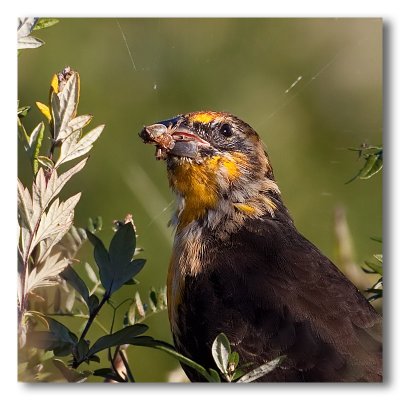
(239, 266)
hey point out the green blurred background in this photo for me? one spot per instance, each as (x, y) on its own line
(243, 66)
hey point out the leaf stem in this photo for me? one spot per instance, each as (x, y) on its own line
(126, 364)
(92, 316)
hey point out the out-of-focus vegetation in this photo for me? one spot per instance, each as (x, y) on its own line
(310, 87)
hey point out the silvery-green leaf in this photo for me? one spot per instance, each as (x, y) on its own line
(29, 42)
(71, 242)
(25, 26)
(261, 370)
(58, 219)
(35, 133)
(45, 162)
(64, 105)
(72, 147)
(46, 274)
(221, 349)
(75, 124)
(46, 245)
(25, 209)
(91, 274)
(43, 193)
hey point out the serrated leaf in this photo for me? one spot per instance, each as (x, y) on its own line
(45, 23)
(72, 147)
(221, 350)
(118, 338)
(35, 143)
(43, 193)
(44, 109)
(45, 275)
(70, 374)
(29, 42)
(261, 370)
(25, 26)
(116, 270)
(76, 124)
(58, 219)
(25, 209)
(64, 105)
(70, 275)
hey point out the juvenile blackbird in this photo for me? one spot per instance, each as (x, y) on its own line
(239, 265)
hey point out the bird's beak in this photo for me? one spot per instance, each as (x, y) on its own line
(171, 137)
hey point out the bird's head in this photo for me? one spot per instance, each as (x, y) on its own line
(217, 167)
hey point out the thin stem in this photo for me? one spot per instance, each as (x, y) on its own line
(126, 364)
(93, 316)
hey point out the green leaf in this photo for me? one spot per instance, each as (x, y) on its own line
(95, 224)
(261, 370)
(233, 361)
(45, 23)
(221, 350)
(147, 341)
(122, 246)
(374, 164)
(61, 331)
(81, 350)
(124, 336)
(59, 338)
(237, 374)
(35, 143)
(153, 299)
(70, 374)
(214, 376)
(45, 162)
(116, 267)
(108, 374)
(70, 275)
(377, 269)
(23, 111)
(93, 303)
(102, 260)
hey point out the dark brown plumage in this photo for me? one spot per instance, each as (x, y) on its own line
(239, 265)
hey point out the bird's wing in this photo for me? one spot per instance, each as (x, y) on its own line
(293, 300)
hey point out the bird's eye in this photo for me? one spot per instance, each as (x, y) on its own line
(226, 130)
